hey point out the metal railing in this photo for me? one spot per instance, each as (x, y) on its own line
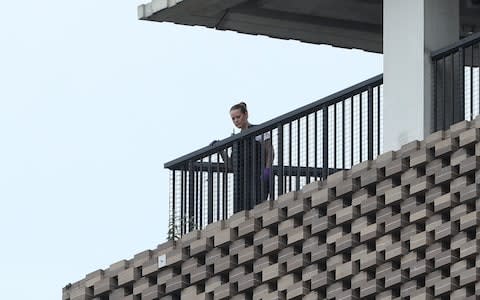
(308, 144)
(456, 82)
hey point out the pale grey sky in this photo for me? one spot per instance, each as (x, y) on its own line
(93, 102)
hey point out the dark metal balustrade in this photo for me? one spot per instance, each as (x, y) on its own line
(309, 143)
(456, 82)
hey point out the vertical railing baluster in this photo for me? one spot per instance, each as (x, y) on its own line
(471, 82)
(225, 186)
(173, 221)
(210, 191)
(182, 201)
(316, 144)
(378, 121)
(238, 201)
(449, 92)
(447, 86)
(196, 195)
(297, 177)
(352, 127)
(360, 126)
(478, 72)
(261, 167)
(370, 123)
(335, 136)
(201, 221)
(435, 96)
(442, 101)
(218, 186)
(253, 172)
(325, 170)
(271, 179)
(459, 88)
(343, 134)
(307, 143)
(245, 182)
(290, 157)
(280, 160)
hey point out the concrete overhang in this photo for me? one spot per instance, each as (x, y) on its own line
(341, 23)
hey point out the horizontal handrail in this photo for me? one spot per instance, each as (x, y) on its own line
(273, 123)
(468, 41)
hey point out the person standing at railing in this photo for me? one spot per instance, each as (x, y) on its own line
(255, 162)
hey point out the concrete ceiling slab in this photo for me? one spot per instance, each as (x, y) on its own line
(341, 23)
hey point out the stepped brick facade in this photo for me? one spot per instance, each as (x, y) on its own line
(404, 226)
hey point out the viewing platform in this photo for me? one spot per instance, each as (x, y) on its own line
(312, 142)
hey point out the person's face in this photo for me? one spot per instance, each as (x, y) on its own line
(239, 119)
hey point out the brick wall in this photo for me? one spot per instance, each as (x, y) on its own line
(405, 226)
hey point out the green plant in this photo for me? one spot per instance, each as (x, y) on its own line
(175, 226)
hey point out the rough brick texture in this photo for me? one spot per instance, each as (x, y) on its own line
(404, 226)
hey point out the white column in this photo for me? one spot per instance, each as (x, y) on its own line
(412, 29)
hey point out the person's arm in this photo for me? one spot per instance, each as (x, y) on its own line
(223, 154)
(226, 159)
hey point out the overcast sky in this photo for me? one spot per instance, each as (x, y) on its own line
(93, 102)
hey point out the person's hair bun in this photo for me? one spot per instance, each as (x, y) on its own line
(242, 106)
